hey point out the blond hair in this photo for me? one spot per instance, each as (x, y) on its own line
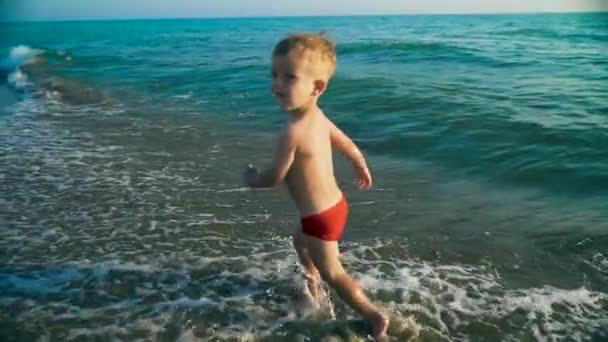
(315, 47)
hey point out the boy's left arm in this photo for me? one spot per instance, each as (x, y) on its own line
(283, 158)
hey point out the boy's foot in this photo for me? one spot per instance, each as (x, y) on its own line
(325, 304)
(380, 324)
(306, 304)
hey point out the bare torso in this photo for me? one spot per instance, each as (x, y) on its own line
(310, 180)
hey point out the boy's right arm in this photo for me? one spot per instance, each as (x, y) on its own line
(283, 158)
(348, 148)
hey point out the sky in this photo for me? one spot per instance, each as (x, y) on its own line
(121, 9)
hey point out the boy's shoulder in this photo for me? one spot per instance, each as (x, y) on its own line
(298, 128)
(289, 133)
(290, 127)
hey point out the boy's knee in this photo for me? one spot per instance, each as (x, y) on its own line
(311, 275)
(331, 276)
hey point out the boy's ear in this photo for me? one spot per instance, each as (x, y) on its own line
(320, 86)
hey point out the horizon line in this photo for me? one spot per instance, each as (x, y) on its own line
(302, 16)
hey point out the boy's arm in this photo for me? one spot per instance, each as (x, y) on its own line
(283, 158)
(348, 148)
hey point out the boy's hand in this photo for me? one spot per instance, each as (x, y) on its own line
(364, 176)
(251, 175)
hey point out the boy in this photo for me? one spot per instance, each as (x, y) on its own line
(301, 68)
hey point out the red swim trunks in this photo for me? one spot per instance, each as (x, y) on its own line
(329, 224)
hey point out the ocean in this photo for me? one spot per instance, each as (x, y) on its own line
(125, 217)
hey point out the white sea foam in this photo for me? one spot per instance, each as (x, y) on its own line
(17, 79)
(18, 56)
(22, 53)
(148, 243)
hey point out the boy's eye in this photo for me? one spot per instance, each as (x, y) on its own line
(291, 76)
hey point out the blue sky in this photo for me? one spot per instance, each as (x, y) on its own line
(114, 9)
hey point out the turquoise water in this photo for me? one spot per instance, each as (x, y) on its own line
(123, 144)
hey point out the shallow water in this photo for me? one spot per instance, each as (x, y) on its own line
(125, 217)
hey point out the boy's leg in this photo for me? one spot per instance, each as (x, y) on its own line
(325, 257)
(311, 274)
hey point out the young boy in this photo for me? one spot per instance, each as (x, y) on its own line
(301, 68)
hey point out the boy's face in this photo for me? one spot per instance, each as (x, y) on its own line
(293, 81)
